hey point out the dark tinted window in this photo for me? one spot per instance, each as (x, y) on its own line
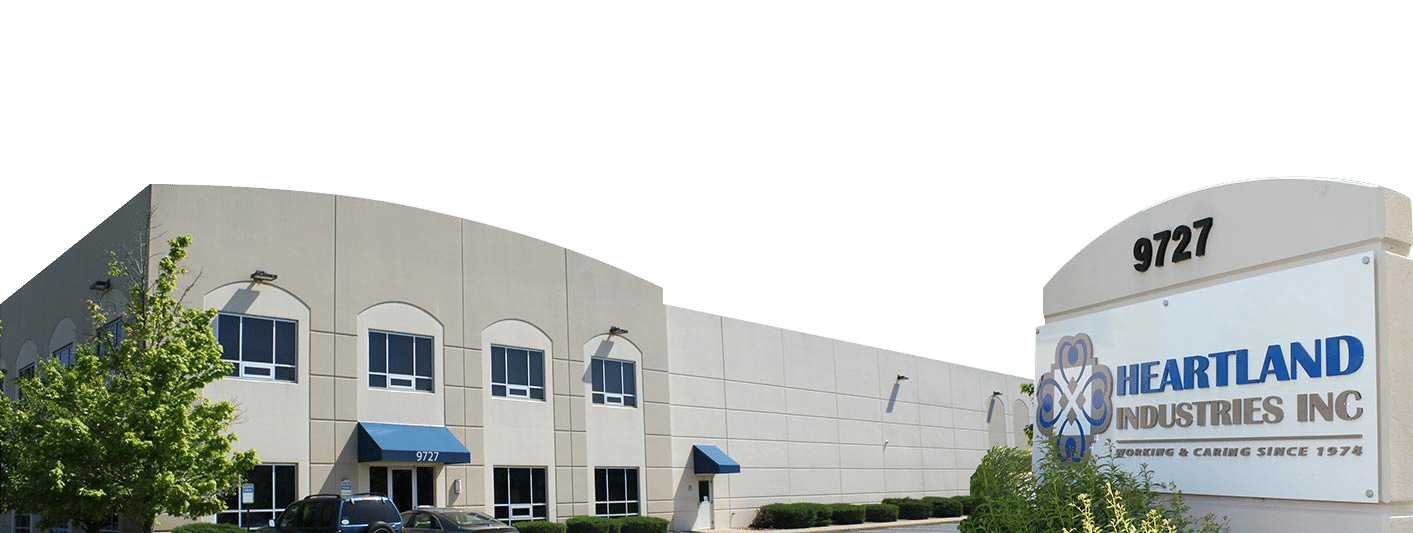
(367, 511)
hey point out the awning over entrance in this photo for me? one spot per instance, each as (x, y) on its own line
(411, 444)
(711, 460)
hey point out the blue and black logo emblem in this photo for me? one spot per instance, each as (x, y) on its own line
(1074, 398)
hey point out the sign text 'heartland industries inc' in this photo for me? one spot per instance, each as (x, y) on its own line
(1259, 387)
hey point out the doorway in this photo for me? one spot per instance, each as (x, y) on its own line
(706, 517)
(408, 487)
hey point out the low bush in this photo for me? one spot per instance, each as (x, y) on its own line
(537, 526)
(1011, 498)
(591, 524)
(205, 527)
(792, 516)
(911, 509)
(944, 507)
(967, 502)
(881, 512)
(641, 524)
(843, 514)
(895, 501)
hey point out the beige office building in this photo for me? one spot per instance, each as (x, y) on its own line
(446, 362)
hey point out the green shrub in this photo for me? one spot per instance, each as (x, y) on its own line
(792, 516)
(641, 524)
(895, 501)
(911, 509)
(591, 524)
(881, 512)
(944, 507)
(843, 513)
(1010, 498)
(537, 526)
(997, 469)
(967, 502)
(203, 527)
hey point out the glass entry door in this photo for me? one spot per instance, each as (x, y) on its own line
(408, 487)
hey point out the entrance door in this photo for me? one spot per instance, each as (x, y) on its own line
(706, 519)
(401, 489)
(407, 487)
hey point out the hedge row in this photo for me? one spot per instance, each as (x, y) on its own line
(207, 527)
(801, 515)
(597, 524)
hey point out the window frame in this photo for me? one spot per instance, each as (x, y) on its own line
(239, 512)
(501, 501)
(503, 388)
(603, 503)
(65, 355)
(628, 379)
(412, 379)
(273, 367)
(115, 327)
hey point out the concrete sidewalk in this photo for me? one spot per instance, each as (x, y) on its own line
(849, 527)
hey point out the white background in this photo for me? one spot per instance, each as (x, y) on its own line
(1326, 299)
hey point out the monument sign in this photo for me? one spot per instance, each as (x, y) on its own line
(1251, 342)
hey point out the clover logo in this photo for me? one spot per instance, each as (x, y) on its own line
(1075, 398)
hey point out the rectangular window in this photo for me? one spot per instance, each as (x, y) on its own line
(65, 355)
(615, 382)
(24, 523)
(110, 336)
(275, 489)
(399, 361)
(260, 348)
(25, 373)
(520, 494)
(615, 491)
(517, 372)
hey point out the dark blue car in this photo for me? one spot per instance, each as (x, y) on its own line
(330, 513)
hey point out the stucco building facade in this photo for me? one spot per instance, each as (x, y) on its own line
(386, 325)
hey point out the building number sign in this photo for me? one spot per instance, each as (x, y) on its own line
(1181, 238)
(427, 456)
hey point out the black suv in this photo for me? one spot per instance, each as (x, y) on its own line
(331, 513)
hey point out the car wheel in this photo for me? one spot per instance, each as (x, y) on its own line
(378, 527)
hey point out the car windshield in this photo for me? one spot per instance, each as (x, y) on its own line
(471, 519)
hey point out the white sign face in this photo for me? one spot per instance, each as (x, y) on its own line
(247, 493)
(1260, 387)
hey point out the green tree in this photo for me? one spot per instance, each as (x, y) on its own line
(125, 429)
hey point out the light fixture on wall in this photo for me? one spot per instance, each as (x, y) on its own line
(456, 487)
(991, 405)
(101, 285)
(901, 378)
(615, 330)
(261, 275)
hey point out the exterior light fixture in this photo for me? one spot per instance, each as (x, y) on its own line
(991, 405)
(902, 378)
(101, 285)
(615, 330)
(261, 275)
(456, 487)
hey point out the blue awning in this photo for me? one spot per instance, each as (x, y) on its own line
(711, 460)
(411, 444)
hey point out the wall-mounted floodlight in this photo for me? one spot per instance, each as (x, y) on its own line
(901, 378)
(261, 275)
(615, 330)
(991, 405)
(456, 487)
(101, 285)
